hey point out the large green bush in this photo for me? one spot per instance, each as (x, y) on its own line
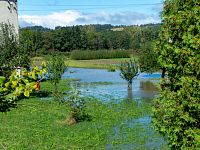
(177, 110)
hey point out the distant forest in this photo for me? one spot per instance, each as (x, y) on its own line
(40, 41)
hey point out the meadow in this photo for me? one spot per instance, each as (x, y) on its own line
(40, 124)
(99, 59)
(99, 54)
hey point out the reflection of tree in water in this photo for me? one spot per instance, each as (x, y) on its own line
(147, 90)
(148, 86)
(130, 94)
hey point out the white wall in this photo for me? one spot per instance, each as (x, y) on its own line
(8, 12)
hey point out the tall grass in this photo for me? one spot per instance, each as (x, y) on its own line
(100, 54)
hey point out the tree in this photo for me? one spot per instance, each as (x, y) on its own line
(148, 59)
(9, 49)
(55, 69)
(129, 70)
(177, 110)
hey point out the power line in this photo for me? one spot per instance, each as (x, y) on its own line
(95, 7)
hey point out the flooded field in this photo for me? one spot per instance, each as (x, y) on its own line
(107, 86)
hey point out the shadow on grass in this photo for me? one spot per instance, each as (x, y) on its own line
(41, 94)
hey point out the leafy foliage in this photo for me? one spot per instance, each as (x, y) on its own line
(15, 51)
(177, 110)
(88, 37)
(77, 107)
(129, 70)
(55, 68)
(8, 49)
(17, 86)
(148, 59)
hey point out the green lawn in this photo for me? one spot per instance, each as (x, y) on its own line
(39, 125)
(97, 63)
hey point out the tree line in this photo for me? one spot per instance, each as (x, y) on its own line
(39, 40)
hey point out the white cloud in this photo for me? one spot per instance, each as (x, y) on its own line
(52, 20)
(72, 17)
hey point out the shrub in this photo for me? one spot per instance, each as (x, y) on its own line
(9, 49)
(55, 69)
(14, 52)
(77, 105)
(177, 110)
(18, 86)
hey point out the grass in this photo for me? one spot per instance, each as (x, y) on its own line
(39, 124)
(63, 85)
(96, 64)
(100, 54)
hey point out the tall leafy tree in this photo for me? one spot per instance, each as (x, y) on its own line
(177, 110)
(148, 58)
(9, 49)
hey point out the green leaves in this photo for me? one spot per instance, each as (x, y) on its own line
(176, 111)
(17, 86)
(55, 69)
(2, 80)
(129, 70)
(26, 93)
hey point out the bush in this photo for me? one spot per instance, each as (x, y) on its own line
(14, 51)
(100, 54)
(55, 69)
(9, 49)
(177, 110)
(77, 106)
(17, 86)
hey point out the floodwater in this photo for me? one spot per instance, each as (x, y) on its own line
(109, 86)
(106, 86)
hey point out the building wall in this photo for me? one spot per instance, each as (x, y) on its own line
(9, 13)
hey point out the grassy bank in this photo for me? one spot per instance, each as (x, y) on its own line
(39, 124)
(97, 63)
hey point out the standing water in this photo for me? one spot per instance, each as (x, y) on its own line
(105, 85)
(108, 86)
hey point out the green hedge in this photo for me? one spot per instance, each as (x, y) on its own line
(100, 54)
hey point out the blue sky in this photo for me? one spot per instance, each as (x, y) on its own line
(51, 13)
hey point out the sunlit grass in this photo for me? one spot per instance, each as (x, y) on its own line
(39, 124)
(96, 64)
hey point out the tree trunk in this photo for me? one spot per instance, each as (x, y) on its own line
(129, 85)
(163, 73)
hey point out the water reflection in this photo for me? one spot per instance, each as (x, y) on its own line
(130, 94)
(148, 86)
